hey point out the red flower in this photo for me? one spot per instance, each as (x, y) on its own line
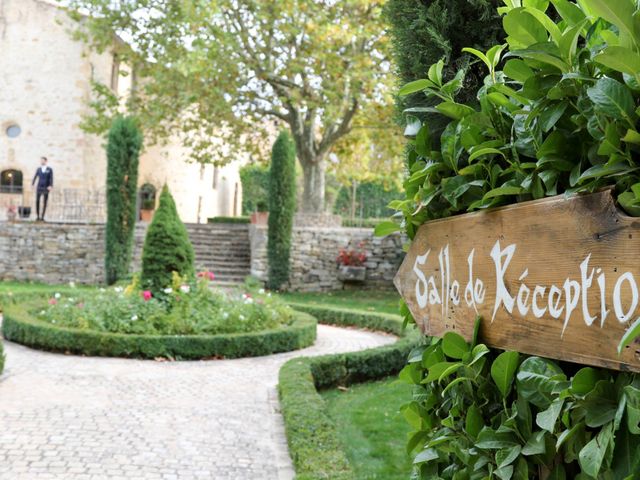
(52, 301)
(146, 295)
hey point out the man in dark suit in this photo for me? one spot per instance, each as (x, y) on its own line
(44, 176)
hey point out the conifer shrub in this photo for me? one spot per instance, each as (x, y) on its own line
(282, 205)
(167, 247)
(123, 150)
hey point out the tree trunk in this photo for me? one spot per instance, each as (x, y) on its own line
(314, 186)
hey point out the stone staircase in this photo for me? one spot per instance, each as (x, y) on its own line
(223, 249)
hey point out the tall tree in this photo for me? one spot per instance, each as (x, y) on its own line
(227, 67)
(282, 206)
(123, 152)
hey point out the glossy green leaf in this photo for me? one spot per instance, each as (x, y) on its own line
(518, 70)
(592, 455)
(547, 419)
(585, 380)
(454, 346)
(415, 86)
(503, 370)
(474, 422)
(614, 99)
(386, 228)
(621, 59)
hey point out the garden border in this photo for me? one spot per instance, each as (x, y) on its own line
(314, 446)
(20, 327)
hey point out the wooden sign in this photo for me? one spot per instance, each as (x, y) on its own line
(556, 277)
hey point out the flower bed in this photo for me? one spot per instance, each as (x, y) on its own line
(187, 321)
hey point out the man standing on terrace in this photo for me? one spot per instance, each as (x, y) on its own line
(44, 176)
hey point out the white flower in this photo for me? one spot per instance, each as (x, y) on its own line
(225, 315)
(185, 288)
(248, 300)
(72, 284)
(71, 300)
(269, 294)
(168, 290)
(241, 317)
(42, 312)
(53, 321)
(102, 290)
(118, 289)
(244, 296)
(134, 317)
(57, 296)
(261, 291)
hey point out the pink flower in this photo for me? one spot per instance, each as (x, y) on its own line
(146, 295)
(207, 274)
(52, 301)
(80, 305)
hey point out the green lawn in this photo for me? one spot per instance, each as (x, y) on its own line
(382, 301)
(372, 429)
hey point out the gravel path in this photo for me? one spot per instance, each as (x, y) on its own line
(65, 417)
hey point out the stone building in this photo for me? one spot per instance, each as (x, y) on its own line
(45, 90)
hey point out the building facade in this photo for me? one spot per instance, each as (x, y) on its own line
(45, 88)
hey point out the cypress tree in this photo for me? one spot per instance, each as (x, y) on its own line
(123, 150)
(282, 205)
(425, 31)
(167, 247)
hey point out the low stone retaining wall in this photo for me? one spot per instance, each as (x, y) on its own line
(52, 252)
(62, 252)
(314, 252)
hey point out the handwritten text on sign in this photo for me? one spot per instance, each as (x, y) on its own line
(557, 277)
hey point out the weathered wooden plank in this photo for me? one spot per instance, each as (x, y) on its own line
(556, 277)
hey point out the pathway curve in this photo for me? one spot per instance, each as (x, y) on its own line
(72, 418)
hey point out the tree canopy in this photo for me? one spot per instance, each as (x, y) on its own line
(240, 69)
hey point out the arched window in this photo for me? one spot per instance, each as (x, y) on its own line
(11, 181)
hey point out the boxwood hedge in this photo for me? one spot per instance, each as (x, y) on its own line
(311, 434)
(21, 327)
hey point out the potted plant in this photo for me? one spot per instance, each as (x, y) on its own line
(351, 266)
(24, 212)
(147, 202)
(261, 215)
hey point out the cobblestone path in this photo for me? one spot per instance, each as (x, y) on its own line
(72, 418)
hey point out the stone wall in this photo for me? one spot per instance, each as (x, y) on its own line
(52, 253)
(314, 252)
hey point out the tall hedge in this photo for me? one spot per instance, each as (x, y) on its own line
(372, 200)
(255, 187)
(167, 247)
(123, 150)
(282, 205)
(2, 357)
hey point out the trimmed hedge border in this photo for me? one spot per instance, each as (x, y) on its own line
(311, 434)
(234, 220)
(20, 327)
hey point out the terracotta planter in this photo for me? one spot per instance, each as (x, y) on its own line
(260, 218)
(146, 215)
(348, 273)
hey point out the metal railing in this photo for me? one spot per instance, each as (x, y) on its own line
(68, 205)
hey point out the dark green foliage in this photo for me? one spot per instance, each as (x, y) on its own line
(518, 417)
(255, 187)
(123, 149)
(547, 124)
(282, 206)
(312, 437)
(21, 327)
(425, 31)
(228, 220)
(167, 247)
(372, 200)
(2, 358)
